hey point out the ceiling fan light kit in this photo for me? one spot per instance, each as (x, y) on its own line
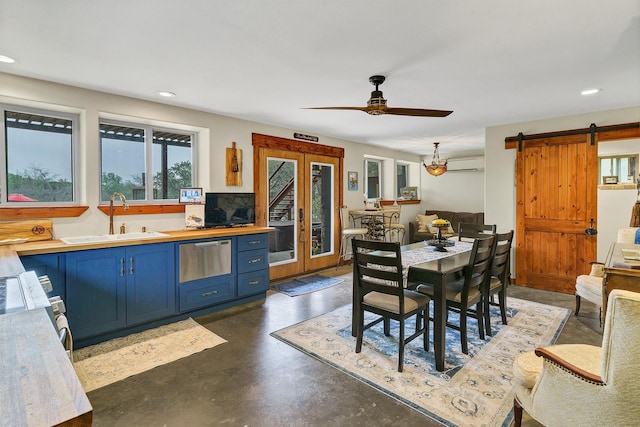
(437, 167)
(377, 105)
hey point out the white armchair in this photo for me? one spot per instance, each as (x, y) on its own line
(578, 384)
(589, 286)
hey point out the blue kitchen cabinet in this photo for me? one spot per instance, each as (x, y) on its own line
(112, 289)
(50, 265)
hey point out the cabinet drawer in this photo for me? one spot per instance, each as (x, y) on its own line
(252, 260)
(253, 241)
(253, 283)
(206, 292)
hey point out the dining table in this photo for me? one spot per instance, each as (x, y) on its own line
(423, 264)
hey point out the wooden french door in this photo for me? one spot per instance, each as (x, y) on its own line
(298, 189)
(556, 196)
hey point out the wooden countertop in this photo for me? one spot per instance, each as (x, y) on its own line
(53, 246)
(38, 384)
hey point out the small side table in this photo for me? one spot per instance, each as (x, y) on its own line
(616, 276)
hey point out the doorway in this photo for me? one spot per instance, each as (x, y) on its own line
(298, 190)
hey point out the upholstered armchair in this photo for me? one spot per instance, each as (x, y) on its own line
(578, 384)
(589, 286)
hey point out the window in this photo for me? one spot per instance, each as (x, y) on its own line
(402, 177)
(618, 169)
(373, 178)
(136, 158)
(36, 156)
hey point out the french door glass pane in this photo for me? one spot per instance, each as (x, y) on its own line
(322, 209)
(282, 210)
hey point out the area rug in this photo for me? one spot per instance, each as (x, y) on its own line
(473, 390)
(105, 363)
(305, 285)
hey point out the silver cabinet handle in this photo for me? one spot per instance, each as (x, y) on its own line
(254, 282)
(254, 242)
(253, 261)
(131, 265)
(206, 294)
(122, 266)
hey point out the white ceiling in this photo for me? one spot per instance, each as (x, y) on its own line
(492, 62)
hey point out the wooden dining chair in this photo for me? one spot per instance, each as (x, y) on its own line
(379, 288)
(498, 278)
(462, 294)
(469, 231)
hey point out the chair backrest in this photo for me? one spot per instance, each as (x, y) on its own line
(500, 259)
(474, 231)
(621, 342)
(628, 235)
(344, 217)
(391, 214)
(377, 267)
(479, 267)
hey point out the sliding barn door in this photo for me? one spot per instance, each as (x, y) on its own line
(556, 202)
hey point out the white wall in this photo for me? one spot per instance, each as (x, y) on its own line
(500, 199)
(217, 133)
(459, 191)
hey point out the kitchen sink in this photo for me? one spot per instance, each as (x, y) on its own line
(83, 240)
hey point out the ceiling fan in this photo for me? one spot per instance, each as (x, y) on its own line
(377, 105)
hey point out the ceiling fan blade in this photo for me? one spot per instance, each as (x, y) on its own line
(417, 112)
(338, 108)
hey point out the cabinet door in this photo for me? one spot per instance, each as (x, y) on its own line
(50, 265)
(95, 291)
(151, 291)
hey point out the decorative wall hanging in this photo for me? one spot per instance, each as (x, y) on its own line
(233, 174)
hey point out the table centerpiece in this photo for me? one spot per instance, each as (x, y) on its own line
(440, 243)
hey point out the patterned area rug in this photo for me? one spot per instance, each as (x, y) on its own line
(105, 363)
(305, 285)
(473, 390)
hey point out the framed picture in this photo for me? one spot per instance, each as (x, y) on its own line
(409, 193)
(352, 180)
(190, 195)
(609, 179)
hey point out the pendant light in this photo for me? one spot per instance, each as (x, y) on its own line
(437, 167)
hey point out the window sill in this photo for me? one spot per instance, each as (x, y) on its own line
(143, 209)
(617, 187)
(400, 202)
(41, 212)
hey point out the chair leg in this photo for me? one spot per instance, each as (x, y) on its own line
(517, 414)
(341, 251)
(480, 316)
(502, 299)
(401, 347)
(463, 331)
(387, 327)
(577, 304)
(425, 338)
(359, 331)
(487, 315)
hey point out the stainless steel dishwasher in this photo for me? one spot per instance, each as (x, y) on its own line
(204, 259)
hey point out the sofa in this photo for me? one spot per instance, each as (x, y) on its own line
(416, 234)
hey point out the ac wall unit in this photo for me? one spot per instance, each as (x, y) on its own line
(466, 165)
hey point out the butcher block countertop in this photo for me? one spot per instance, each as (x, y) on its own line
(52, 246)
(38, 385)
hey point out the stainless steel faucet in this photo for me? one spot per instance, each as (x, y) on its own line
(125, 206)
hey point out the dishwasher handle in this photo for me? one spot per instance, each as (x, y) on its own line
(209, 244)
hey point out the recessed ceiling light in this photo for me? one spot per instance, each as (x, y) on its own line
(590, 91)
(166, 94)
(7, 59)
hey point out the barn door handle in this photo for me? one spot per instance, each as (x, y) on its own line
(591, 231)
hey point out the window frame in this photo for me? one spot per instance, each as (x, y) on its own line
(407, 175)
(75, 147)
(379, 162)
(149, 130)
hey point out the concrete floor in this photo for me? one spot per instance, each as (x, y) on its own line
(256, 380)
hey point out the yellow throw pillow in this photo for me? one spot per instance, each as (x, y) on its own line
(424, 221)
